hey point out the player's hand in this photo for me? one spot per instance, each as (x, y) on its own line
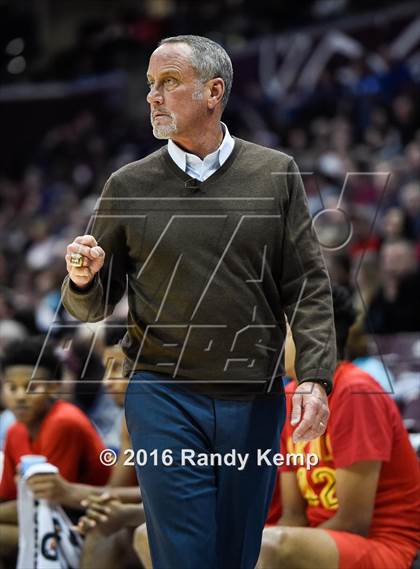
(98, 503)
(93, 260)
(51, 487)
(84, 525)
(309, 411)
(105, 512)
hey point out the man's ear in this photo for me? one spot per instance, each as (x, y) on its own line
(217, 89)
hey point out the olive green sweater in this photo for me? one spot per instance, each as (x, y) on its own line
(212, 268)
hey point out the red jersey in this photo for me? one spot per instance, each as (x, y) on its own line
(364, 424)
(68, 440)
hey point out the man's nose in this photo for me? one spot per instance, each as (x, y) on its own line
(21, 393)
(154, 96)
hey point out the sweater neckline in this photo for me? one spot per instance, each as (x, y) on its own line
(214, 177)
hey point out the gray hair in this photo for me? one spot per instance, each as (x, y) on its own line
(209, 59)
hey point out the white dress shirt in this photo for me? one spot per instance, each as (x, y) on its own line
(202, 169)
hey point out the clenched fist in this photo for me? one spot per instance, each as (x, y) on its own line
(93, 260)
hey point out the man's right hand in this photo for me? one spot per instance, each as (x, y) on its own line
(93, 260)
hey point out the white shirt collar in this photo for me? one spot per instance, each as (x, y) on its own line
(216, 158)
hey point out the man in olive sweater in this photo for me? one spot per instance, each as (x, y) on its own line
(213, 237)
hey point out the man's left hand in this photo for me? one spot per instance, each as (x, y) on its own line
(309, 411)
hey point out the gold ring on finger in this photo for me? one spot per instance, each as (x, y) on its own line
(76, 260)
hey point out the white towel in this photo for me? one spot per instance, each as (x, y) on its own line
(46, 540)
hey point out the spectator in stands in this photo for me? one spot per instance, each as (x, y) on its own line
(364, 239)
(365, 273)
(396, 305)
(45, 425)
(412, 155)
(394, 224)
(357, 508)
(405, 116)
(410, 202)
(339, 267)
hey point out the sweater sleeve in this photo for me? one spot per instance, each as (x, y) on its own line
(305, 288)
(108, 286)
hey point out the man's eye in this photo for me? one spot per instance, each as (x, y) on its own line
(170, 81)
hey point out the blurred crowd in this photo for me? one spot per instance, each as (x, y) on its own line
(357, 144)
(125, 30)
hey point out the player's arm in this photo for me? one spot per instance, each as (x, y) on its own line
(356, 490)
(66, 445)
(8, 512)
(123, 474)
(9, 532)
(123, 482)
(56, 487)
(293, 505)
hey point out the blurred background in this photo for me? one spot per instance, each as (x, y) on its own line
(335, 83)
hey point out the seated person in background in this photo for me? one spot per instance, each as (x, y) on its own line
(359, 507)
(111, 517)
(396, 305)
(47, 426)
(81, 363)
(274, 512)
(358, 353)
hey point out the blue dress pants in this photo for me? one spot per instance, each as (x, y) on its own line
(203, 511)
